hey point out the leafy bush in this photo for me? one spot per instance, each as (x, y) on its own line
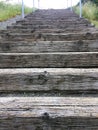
(8, 11)
(89, 11)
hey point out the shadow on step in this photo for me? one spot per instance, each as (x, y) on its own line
(47, 123)
(54, 93)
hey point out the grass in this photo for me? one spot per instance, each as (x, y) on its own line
(90, 11)
(95, 23)
(8, 10)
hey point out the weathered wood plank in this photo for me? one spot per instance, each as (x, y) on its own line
(76, 21)
(70, 36)
(49, 26)
(51, 30)
(68, 123)
(52, 37)
(53, 17)
(49, 21)
(48, 80)
(54, 24)
(49, 60)
(48, 46)
(54, 106)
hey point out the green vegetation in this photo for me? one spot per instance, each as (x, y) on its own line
(8, 10)
(95, 23)
(90, 11)
(93, 1)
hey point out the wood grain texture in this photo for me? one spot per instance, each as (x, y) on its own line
(46, 30)
(48, 46)
(43, 80)
(54, 106)
(52, 36)
(53, 25)
(49, 60)
(76, 20)
(51, 22)
(70, 36)
(41, 58)
(68, 123)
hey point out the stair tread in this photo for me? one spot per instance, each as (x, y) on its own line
(49, 79)
(54, 106)
(48, 46)
(53, 36)
(59, 60)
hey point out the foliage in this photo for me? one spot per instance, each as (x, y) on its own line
(93, 1)
(89, 10)
(8, 11)
(95, 22)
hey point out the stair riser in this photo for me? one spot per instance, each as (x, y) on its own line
(69, 123)
(46, 112)
(52, 22)
(70, 17)
(39, 47)
(51, 30)
(51, 37)
(48, 26)
(49, 80)
(65, 37)
(59, 60)
(77, 20)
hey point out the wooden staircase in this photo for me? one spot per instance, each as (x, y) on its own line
(49, 73)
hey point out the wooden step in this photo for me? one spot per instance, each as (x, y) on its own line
(68, 123)
(30, 30)
(54, 106)
(69, 36)
(51, 30)
(54, 24)
(76, 21)
(48, 46)
(52, 14)
(51, 36)
(29, 26)
(55, 113)
(34, 20)
(49, 26)
(49, 60)
(50, 81)
(53, 17)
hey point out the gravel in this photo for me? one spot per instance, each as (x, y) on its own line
(9, 22)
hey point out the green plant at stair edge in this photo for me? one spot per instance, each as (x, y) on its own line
(8, 10)
(90, 11)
